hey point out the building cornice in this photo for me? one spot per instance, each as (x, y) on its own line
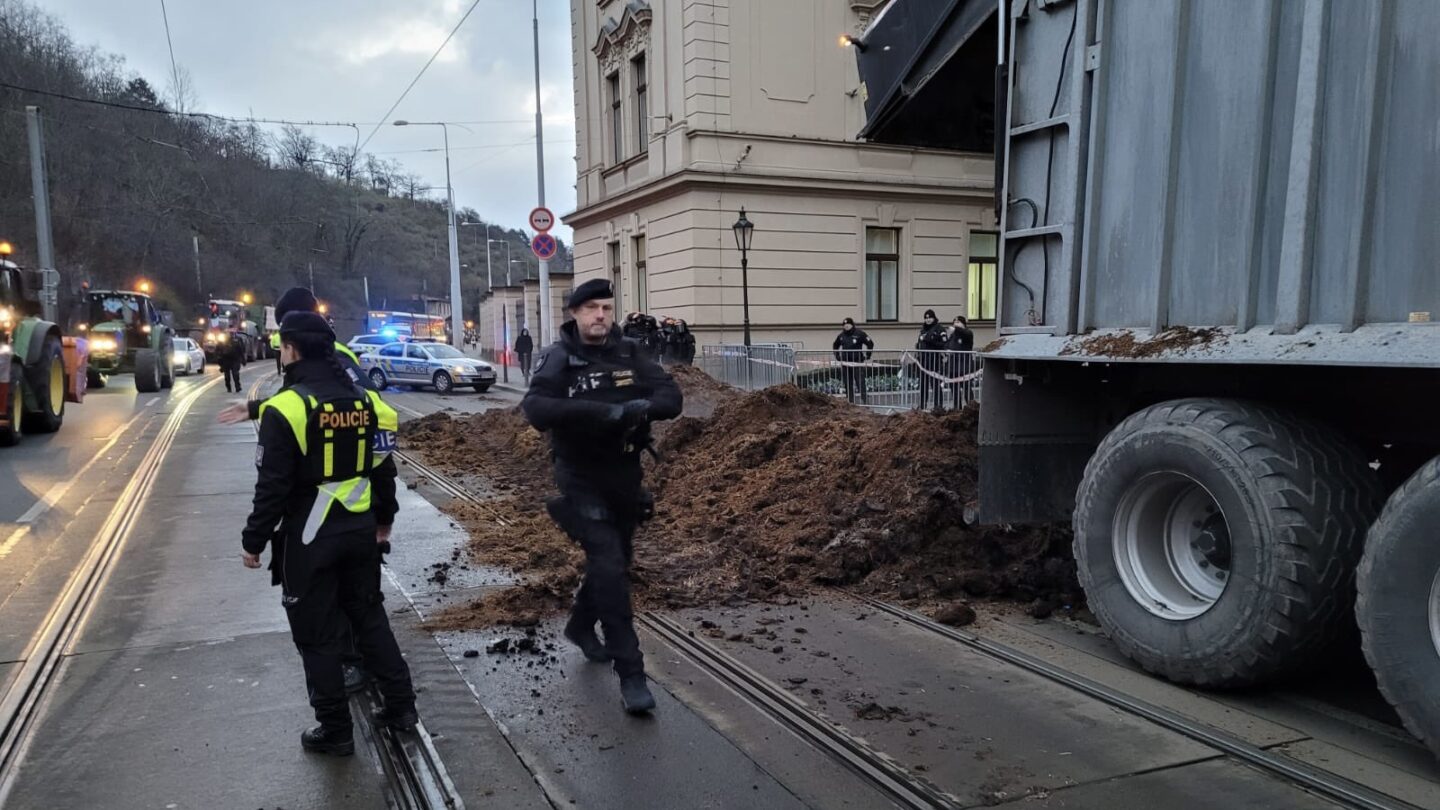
(624, 36)
(689, 180)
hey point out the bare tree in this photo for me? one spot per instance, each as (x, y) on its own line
(296, 148)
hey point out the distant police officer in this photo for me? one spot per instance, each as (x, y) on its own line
(324, 444)
(853, 346)
(596, 393)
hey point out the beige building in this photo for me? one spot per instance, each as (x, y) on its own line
(504, 311)
(689, 110)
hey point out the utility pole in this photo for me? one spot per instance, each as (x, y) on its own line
(311, 267)
(545, 325)
(366, 279)
(199, 285)
(44, 241)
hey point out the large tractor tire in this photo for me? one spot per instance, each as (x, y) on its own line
(1399, 603)
(147, 371)
(46, 379)
(1217, 540)
(10, 432)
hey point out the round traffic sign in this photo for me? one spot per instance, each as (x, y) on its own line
(542, 219)
(544, 246)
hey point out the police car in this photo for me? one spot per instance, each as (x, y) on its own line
(434, 365)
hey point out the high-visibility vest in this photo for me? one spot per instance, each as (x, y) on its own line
(343, 440)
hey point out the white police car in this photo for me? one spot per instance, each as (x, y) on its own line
(435, 365)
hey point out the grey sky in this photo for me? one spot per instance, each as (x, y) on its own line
(348, 60)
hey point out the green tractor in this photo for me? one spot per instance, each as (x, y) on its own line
(127, 335)
(39, 367)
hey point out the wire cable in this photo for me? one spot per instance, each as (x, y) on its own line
(416, 80)
(174, 70)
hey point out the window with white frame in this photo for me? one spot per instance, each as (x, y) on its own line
(984, 275)
(617, 119)
(882, 274)
(642, 106)
(642, 281)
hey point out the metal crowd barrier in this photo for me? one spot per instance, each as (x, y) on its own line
(887, 381)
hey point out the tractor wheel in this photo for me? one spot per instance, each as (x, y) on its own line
(10, 432)
(46, 379)
(1217, 540)
(147, 371)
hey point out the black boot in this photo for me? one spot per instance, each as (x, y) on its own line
(635, 695)
(322, 740)
(583, 636)
(400, 721)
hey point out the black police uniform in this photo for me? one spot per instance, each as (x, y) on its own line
(331, 585)
(853, 346)
(578, 394)
(931, 343)
(961, 341)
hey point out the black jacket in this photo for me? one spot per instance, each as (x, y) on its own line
(233, 354)
(524, 344)
(577, 390)
(853, 347)
(281, 499)
(960, 339)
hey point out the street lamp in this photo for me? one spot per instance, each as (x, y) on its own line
(744, 229)
(489, 279)
(457, 330)
(247, 299)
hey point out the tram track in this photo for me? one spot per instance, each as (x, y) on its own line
(44, 657)
(886, 775)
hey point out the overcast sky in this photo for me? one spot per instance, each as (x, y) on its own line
(348, 60)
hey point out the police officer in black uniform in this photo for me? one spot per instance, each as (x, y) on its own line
(853, 345)
(596, 393)
(301, 299)
(315, 434)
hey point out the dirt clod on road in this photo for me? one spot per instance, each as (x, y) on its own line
(762, 496)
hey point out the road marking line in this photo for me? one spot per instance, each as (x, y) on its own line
(58, 491)
(61, 489)
(45, 655)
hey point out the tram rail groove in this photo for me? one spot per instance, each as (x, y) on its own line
(413, 769)
(876, 768)
(42, 660)
(1316, 780)
(911, 792)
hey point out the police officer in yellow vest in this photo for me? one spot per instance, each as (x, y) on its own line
(300, 299)
(323, 443)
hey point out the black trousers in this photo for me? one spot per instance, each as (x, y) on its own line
(232, 377)
(341, 605)
(854, 377)
(525, 363)
(929, 385)
(603, 512)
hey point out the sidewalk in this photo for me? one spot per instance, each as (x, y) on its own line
(185, 690)
(517, 383)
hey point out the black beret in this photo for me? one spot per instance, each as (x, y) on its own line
(594, 289)
(295, 299)
(302, 321)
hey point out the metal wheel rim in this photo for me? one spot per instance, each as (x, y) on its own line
(1435, 611)
(443, 383)
(1171, 546)
(377, 379)
(57, 386)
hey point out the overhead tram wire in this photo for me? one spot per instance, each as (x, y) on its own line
(416, 80)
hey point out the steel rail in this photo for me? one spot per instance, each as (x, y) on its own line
(1329, 785)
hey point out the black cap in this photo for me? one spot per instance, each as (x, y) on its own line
(295, 299)
(592, 290)
(303, 322)
(850, 321)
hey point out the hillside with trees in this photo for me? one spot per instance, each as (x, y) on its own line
(134, 181)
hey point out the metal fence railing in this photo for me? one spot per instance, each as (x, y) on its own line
(882, 380)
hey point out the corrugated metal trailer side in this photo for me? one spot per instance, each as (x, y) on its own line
(1261, 165)
(1220, 328)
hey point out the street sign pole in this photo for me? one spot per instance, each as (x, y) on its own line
(546, 331)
